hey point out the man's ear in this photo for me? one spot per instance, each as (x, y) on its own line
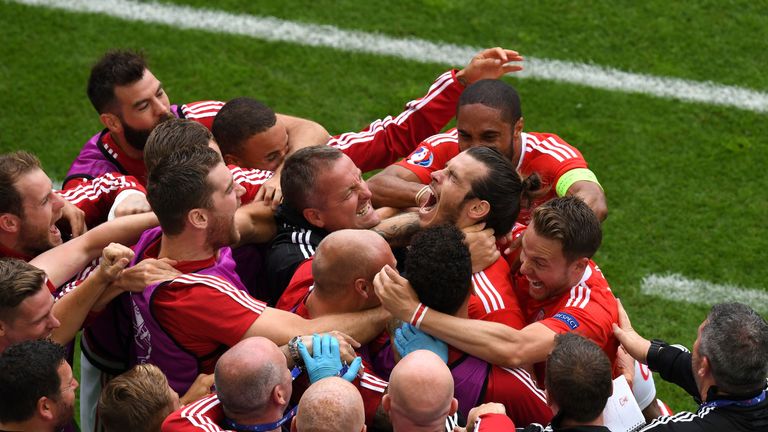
(293, 424)
(45, 407)
(10, 222)
(704, 368)
(579, 265)
(518, 127)
(111, 122)
(198, 218)
(479, 210)
(386, 403)
(3, 328)
(231, 159)
(314, 217)
(454, 407)
(362, 287)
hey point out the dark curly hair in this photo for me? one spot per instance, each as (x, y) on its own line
(439, 268)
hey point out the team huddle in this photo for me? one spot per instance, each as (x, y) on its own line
(229, 268)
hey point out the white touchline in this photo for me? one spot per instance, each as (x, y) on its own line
(274, 29)
(677, 287)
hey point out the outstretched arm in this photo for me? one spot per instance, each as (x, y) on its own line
(493, 342)
(64, 261)
(280, 326)
(394, 186)
(73, 308)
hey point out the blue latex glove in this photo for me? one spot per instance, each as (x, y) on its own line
(409, 339)
(325, 360)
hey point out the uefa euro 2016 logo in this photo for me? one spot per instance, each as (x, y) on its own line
(422, 157)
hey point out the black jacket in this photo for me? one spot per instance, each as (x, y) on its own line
(674, 365)
(296, 241)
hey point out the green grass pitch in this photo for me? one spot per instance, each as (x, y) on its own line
(686, 183)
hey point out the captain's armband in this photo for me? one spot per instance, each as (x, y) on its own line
(569, 178)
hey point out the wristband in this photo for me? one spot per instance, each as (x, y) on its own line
(293, 349)
(420, 194)
(569, 178)
(418, 315)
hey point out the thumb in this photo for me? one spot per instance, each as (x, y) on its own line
(354, 368)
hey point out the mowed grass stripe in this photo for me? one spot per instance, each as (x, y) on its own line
(273, 29)
(676, 287)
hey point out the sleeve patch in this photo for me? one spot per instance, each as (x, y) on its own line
(568, 319)
(421, 157)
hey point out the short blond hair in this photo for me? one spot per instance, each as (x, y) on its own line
(136, 401)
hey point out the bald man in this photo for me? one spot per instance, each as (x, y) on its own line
(330, 405)
(339, 277)
(254, 387)
(410, 408)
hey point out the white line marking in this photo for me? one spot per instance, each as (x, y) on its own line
(274, 29)
(677, 287)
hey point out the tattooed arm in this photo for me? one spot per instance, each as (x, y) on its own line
(398, 230)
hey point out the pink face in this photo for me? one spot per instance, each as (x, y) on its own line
(226, 199)
(34, 319)
(542, 262)
(142, 105)
(344, 198)
(41, 208)
(446, 201)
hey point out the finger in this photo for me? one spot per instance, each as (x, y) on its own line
(353, 369)
(305, 356)
(317, 345)
(325, 340)
(501, 54)
(260, 194)
(334, 347)
(409, 331)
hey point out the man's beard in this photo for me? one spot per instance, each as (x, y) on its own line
(222, 232)
(35, 243)
(137, 138)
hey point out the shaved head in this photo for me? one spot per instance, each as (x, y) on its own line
(330, 405)
(247, 374)
(409, 406)
(345, 256)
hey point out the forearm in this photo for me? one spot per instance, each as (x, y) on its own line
(392, 191)
(493, 342)
(302, 133)
(363, 326)
(593, 195)
(63, 262)
(256, 223)
(72, 309)
(398, 230)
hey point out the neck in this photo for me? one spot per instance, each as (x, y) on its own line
(185, 247)
(11, 243)
(128, 149)
(272, 414)
(317, 307)
(570, 423)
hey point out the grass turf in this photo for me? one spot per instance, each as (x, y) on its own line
(684, 181)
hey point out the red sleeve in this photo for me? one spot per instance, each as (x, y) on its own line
(517, 391)
(203, 415)
(494, 423)
(384, 141)
(551, 157)
(494, 298)
(589, 310)
(201, 317)
(202, 112)
(372, 389)
(432, 155)
(250, 179)
(298, 287)
(96, 196)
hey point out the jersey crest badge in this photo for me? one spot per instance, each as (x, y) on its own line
(422, 157)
